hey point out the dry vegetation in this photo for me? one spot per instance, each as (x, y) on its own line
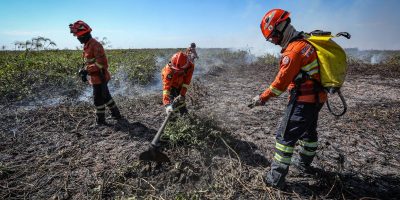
(221, 151)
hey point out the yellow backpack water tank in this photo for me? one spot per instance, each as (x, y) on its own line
(332, 59)
(332, 63)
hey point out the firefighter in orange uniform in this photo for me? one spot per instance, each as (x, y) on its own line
(95, 66)
(191, 52)
(299, 73)
(176, 77)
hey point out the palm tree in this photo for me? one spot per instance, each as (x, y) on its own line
(39, 45)
(15, 45)
(20, 45)
(45, 41)
(23, 46)
(37, 42)
(40, 40)
(27, 43)
(34, 43)
(53, 44)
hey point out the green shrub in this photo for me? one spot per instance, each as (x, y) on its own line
(393, 60)
(26, 73)
(269, 59)
(190, 130)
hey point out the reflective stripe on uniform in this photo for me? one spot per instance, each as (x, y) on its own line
(306, 152)
(275, 91)
(90, 60)
(110, 102)
(99, 65)
(100, 111)
(185, 85)
(308, 144)
(312, 72)
(101, 107)
(282, 159)
(284, 148)
(180, 106)
(310, 66)
(165, 92)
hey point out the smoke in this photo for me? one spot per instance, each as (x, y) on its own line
(377, 58)
(249, 57)
(368, 56)
(209, 59)
(86, 95)
(121, 85)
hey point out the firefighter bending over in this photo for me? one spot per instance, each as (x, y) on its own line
(176, 77)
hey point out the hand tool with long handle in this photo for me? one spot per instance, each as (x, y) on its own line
(156, 139)
(153, 154)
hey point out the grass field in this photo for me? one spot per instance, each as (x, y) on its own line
(220, 151)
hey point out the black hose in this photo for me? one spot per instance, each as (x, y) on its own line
(343, 102)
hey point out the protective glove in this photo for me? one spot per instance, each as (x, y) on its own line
(256, 102)
(169, 109)
(83, 74)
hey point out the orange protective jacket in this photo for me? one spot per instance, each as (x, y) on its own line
(299, 55)
(95, 59)
(175, 79)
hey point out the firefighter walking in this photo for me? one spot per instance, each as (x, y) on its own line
(191, 52)
(176, 78)
(299, 73)
(96, 67)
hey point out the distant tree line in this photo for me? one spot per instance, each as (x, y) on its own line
(36, 43)
(43, 43)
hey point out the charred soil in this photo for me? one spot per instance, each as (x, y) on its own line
(54, 153)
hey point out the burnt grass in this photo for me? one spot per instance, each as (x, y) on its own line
(54, 153)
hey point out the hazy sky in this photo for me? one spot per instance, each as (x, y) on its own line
(374, 24)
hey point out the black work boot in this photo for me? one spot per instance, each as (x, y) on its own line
(115, 114)
(307, 169)
(276, 176)
(303, 165)
(101, 119)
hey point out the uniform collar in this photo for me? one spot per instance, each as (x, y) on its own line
(299, 36)
(89, 42)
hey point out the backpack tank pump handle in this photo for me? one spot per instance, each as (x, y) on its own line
(344, 34)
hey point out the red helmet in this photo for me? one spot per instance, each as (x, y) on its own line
(79, 28)
(179, 61)
(271, 20)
